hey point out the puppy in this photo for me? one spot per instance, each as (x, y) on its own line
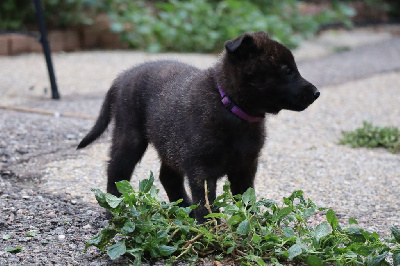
(204, 124)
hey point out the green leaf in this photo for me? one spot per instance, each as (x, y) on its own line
(166, 250)
(352, 221)
(6, 237)
(332, 219)
(356, 234)
(288, 232)
(94, 241)
(102, 239)
(297, 194)
(227, 186)
(283, 213)
(153, 192)
(134, 212)
(396, 258)
(256, 239)
(124, 187)
(31, 234)
(243, 228)
(112, 200)
(116, 250)
(379, 260)
(146, 184)
(100, 197)
(128, 227)
(249, 196)
(162, 234)
(137, 253)
(215, 215)
(266, 202)
(365, 250)
(229, 250)
(313, 260)
(256, 259)
(294, 251)
(14, 250)
(321, 231)
(395, 233)
(308, 213)
(231, 208)
(235, 219)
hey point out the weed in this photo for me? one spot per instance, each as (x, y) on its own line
(204, 25)
(373, 136)
(7, 236)
(248, 230)
(14, 250)
(32, 233)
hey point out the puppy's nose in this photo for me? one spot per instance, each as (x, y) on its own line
(316, 94)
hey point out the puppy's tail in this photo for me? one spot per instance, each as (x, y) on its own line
(102, 121)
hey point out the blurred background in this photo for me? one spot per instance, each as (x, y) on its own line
(200, 26)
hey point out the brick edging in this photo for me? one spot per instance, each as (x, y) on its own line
(94, 36)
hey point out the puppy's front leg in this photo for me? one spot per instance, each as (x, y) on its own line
(196, 184)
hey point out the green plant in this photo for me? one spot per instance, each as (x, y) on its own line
(64, 14)
(14, 250)
(13, 13)
(204, 25)
(373, 136)
(17, 15)
(247, 230)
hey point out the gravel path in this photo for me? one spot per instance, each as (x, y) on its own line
(45, 184)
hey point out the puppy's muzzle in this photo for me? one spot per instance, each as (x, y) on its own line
(316, 93)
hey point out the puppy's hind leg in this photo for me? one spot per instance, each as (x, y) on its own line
(242, 176)
(126, 152)
(173, 183)
(196, 183)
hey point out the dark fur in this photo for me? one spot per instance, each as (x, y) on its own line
(178, 109)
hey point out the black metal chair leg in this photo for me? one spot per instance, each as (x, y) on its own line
(46, 48)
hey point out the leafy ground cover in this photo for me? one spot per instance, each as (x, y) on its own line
(246, 230)
(204, 25)
(373, 136)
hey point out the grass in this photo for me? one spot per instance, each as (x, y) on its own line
(247, 230)
(372, 137)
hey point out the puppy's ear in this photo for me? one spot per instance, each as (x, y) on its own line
(241, 45)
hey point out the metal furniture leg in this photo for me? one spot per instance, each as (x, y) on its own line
(46, 48)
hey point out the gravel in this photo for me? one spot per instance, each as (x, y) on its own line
(58, 228)
(45, 183)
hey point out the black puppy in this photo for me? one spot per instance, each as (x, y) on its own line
(204, 124)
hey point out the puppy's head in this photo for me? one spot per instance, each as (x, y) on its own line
(266, 70)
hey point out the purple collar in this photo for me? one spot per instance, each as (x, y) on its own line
(228, 103)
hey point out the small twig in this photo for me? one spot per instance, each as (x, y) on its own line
(208, 203)
(176, 231)
(206, 196)
(241, 252)
(184, 252)
(205, 253)
(192, 240)
(166, 215)
(45, 112)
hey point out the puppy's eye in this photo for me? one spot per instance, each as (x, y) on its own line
(286, 70)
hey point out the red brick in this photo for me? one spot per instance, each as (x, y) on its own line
(5, 43)
(19, 44)
(90, 37)
(71, 40)
(56, 40)
(35, 46)
(110, 40)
